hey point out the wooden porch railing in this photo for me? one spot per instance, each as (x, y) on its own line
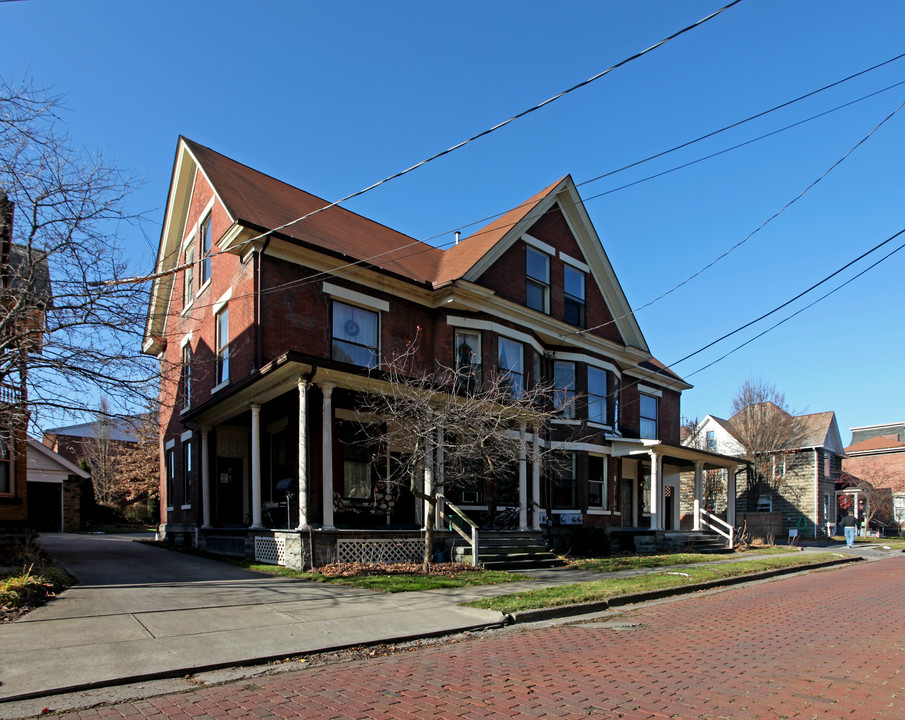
(442, 503)
(719, 526)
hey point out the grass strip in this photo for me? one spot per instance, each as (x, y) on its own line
(638, 562)
(388, 583)
(597, 590)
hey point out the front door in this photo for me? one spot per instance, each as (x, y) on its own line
(669, 507)
(230, 483)
(628, 503)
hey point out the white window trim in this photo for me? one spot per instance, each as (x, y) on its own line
(170, 444)
(221, 303)
(186, 436)
(185, 340)
(219, 387)
(185, 507)
(577, 264)
(472, 324)
(539, 245)
(647, 390)
(588, 360)
(356, 298)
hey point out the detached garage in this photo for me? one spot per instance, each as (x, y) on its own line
(54, 490)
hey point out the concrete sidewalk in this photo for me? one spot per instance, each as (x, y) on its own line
(140, 612)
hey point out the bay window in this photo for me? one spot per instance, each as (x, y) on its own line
(564, 388)
(511, 366)
(468, 358)
(596, 395)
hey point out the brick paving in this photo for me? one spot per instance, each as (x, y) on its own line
(822, 645)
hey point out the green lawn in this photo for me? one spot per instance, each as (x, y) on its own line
(634, 562)
(614, 587)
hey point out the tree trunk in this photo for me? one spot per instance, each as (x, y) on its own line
(429, 534)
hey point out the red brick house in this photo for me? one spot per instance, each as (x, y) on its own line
(274, 326)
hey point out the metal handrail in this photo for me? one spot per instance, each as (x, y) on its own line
(719, 526)
(442, 502)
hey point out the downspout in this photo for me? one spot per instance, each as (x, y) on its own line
(816, 490)
(259, 335)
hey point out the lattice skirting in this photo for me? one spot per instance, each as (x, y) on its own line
(270, 550)
(380, 551)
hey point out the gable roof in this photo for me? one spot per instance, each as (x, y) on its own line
(819, 429)
(880, 442)
(37, 449)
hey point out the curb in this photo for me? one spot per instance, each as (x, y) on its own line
(564, 611)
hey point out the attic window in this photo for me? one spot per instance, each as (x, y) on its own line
(537, 284)
(573, 285)
(205, 249)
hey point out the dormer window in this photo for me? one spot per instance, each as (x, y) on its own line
(573, 286)
(537, 282)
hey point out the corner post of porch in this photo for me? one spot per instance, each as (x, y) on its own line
(698, 492)
(730, 496)
(205, 479)
(440, 477)
(654, 491)
(522, 477)
(327, 454)
(535, 477)
(256, 522)
(303, 454)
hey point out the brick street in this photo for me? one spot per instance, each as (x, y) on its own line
(822, 645)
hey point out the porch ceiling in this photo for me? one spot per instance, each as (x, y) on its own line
(678, 455)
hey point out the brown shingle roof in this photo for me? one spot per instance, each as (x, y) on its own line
(262, 202)
(881, 442)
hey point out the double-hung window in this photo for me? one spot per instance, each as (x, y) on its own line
(6, 461)
(468, 359)
(598, 493)
(171, 475)
(186, 375)
(188, 286)
(187, 469)
(564, 495)
(648, 417)
(205, 249)
(596, 395)
(711, 440)
(355, 335)
(511, 366)
(564, 388)
(222, 325)
(537, 282)
(573, 286)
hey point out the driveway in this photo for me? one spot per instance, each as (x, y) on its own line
(140, 612)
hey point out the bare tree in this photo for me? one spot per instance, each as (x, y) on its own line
(876, 482)
(100, 456)
(138, 463)
(68, 335)
(474, 426)
(768, 430)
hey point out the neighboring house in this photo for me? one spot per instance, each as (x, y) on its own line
(73, 441)
(275, 333)
(797, 486)
(24, 284)
(874, 465)
(54, 490)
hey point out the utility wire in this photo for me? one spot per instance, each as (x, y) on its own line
(463, 143)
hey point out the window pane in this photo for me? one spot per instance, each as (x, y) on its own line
(510, 355)
(573, 281)
(536, 296)
(356, 479)
(538, 266)
(564, 387)
(355, 335)
(573, 312)
(648, 429)
(649, 407)
(596, 395)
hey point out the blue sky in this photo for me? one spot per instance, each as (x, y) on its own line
(334, 96)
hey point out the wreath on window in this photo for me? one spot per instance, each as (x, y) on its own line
(352, 328)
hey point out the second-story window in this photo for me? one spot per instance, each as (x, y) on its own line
(171, 476)
(537, 282)
(355, 335)
(205, 249)
(648, 417)
(597, 395)
(711, 441)
(222, 322)
(186, 375)
(187, 469)
(511, 366)
(468, 358)
(564, 388)
(573, 285)
(6, 464)
(188, 291)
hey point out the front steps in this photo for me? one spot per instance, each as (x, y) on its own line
(510, 551)
(670, 541)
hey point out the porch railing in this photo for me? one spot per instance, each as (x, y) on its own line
(442, 503)
(719, 526)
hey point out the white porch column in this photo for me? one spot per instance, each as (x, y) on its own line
(655, 482)
(327, 454)
(428, 487)
(535, 479)
(522, 478)
(303, 454)
(698, 492)
(256, 467)
(440, 477)
(205, 479)
(730, 496)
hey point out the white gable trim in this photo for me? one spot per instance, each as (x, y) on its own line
(70, 467)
